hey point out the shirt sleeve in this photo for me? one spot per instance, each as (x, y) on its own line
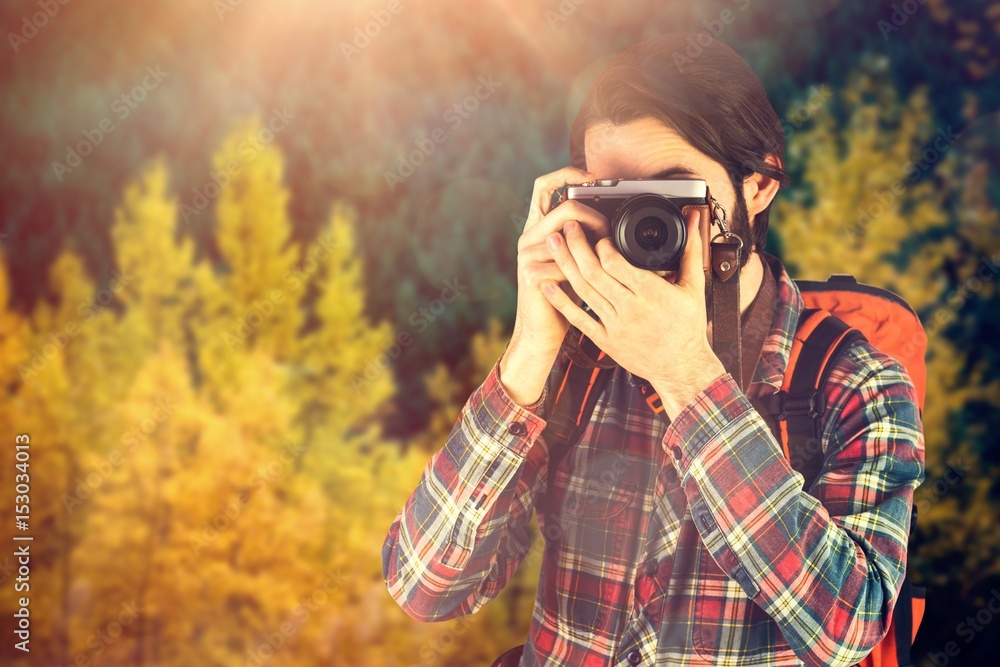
(826, 567)
(462, 533)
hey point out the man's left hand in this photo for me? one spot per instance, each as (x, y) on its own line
(652, 326)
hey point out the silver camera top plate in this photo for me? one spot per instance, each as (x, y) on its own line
(629, 188)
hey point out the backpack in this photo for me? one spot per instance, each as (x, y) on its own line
(838, 311)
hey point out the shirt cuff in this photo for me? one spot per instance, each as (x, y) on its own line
(714, 408)
(504, 421)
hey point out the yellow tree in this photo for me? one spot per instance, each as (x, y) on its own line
(210, 527)
(159, 292)
(202, 501)
(35, 391)
(960, 503)
(15, 357)
(130, 515)
(343, 385)
(73, 391)
(14, 333)
(344, 377)
(69, 346)
(254, 301)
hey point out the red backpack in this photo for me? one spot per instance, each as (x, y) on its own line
(837, 312)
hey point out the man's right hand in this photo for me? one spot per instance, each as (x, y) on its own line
(539, 328)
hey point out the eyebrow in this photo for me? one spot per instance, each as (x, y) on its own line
(671, 172)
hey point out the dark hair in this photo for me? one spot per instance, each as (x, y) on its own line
(712, 99)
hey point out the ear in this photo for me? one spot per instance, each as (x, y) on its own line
(759, 190)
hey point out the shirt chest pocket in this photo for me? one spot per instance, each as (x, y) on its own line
(593, 482)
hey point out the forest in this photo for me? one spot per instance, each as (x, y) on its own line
(254, 258)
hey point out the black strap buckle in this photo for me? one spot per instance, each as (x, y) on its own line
(809, 405)
(652, 398)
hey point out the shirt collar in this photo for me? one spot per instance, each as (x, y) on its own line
(778, 342)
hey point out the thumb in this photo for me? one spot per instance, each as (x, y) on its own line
(692, 271)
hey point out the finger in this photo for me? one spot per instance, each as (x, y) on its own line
(575, 315)
(596, 224)
(536, 252)
(568, 263)
(540, 267)
(590, 266)
(620, 269)
(691, 271)
(545, 186)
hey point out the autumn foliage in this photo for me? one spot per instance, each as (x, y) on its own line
(209, 458)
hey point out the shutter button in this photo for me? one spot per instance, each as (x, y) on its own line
(633, 657)
(516, 428)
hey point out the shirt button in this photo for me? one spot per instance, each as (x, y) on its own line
(676, 451)
(516, 428)
(650, 567)
(633, 657)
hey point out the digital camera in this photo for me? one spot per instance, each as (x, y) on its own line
(647, 217)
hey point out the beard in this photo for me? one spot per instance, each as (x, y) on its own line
(739, 224)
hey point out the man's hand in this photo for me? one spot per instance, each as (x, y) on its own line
(539, 328)
(654, 327)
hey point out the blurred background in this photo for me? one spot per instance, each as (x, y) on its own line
(256, 255)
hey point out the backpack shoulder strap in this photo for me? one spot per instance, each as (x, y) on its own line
(795, 413)
(576, 396)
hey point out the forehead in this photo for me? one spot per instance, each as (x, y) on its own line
(639, 149)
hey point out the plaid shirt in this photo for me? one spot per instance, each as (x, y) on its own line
(682, 543)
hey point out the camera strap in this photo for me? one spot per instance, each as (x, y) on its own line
(722, 296)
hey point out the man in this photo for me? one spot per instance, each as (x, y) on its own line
(685, 540)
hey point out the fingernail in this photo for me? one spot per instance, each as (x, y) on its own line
(554, 241)
(570, 227)
(548, 288)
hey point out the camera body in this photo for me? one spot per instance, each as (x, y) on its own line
(647, 217)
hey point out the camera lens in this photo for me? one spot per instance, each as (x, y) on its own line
(649, 231)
